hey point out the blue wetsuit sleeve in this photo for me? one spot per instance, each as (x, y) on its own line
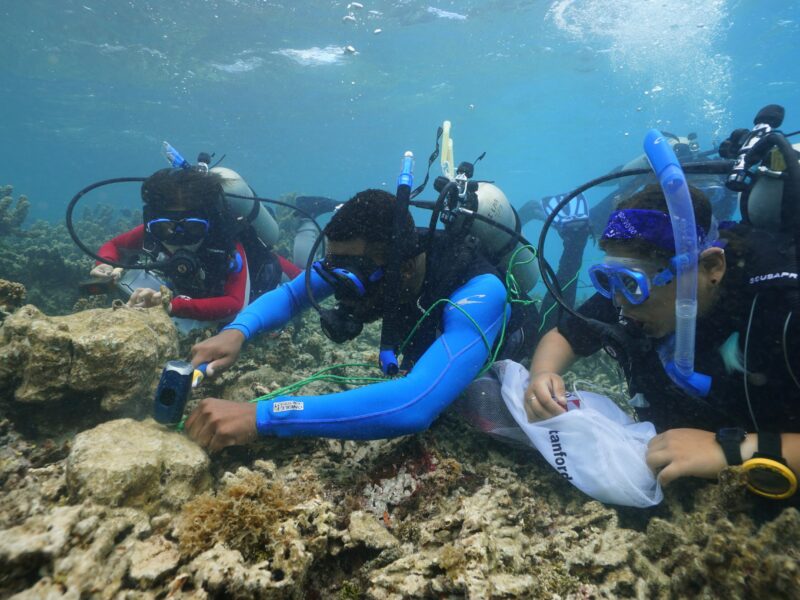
(410, 404)
(275, 308)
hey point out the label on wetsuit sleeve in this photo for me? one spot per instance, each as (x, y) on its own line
(286, 405)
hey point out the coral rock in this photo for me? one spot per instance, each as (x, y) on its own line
(138, 464)
(82, 551)
(365, 529)
(152, 560)
(223, 573)
(115, 354)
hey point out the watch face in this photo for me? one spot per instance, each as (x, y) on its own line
(731, 434)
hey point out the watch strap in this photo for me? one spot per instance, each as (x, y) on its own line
(769, 446)
(730, 439)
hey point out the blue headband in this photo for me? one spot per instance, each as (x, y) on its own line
(651, 226)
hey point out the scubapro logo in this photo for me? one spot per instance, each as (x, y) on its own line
(474, 299)
(771, 276)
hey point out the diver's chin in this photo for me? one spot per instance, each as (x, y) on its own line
(371, 318)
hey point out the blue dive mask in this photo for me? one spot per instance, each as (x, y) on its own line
(631, 277)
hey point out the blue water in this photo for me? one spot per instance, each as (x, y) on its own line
(556, 92)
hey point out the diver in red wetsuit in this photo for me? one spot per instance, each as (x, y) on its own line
(216, 262)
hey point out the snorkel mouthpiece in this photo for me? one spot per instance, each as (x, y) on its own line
(679, 202)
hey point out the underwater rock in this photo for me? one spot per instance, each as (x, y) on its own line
(223, 573)
(114, 355)
(366, 529)
(152, 560)
(136, 464)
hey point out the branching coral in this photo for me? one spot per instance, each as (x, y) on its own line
(12, 217)
(12, 295)
(44, 258)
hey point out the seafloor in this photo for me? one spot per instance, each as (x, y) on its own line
(98, 501)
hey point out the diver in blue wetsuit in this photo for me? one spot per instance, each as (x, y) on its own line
(444, 356)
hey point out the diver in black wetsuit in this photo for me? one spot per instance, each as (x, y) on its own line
(747, 339)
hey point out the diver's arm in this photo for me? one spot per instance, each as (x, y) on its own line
(680, 453)
(546, 393)
(275, 308)
(554, 354)
(129, 240)
(288, 268)
(410, 404)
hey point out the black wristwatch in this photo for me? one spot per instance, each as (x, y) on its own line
(731, 438)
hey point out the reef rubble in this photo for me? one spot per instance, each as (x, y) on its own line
(129, 509)
(98, 501)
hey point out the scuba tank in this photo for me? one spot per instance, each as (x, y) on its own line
(764, 206)
(489, 201)
(685, 148)
(481, 210)
(255, 212)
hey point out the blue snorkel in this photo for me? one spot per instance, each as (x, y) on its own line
(390, 332)
(676, 191)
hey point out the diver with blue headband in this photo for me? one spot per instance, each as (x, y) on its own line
(715, 369)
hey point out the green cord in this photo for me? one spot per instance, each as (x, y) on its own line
(549, 310)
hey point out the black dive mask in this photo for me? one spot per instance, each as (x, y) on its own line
(351, 277)
(178, 232)
(354, 280)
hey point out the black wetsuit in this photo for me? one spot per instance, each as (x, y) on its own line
(449, 266)
(772, 354)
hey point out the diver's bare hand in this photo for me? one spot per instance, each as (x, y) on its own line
(678, 453)
(220, 351)
(545, 397)
(104, 271)
(144, 298)
(216, 424)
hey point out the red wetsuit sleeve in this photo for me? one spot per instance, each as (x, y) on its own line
(130, 240)
(289, 269)
(218, 308)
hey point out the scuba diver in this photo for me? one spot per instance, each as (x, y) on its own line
(667, 260)
(443, 291)
(577, 222)
(213, 259)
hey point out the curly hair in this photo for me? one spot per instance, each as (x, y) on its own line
(369, 215)
(182, 189)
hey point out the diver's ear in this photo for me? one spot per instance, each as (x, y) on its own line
(411, 266)
(713, 264)
(407, 269)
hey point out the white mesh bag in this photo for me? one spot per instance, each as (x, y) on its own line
(594, 445)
